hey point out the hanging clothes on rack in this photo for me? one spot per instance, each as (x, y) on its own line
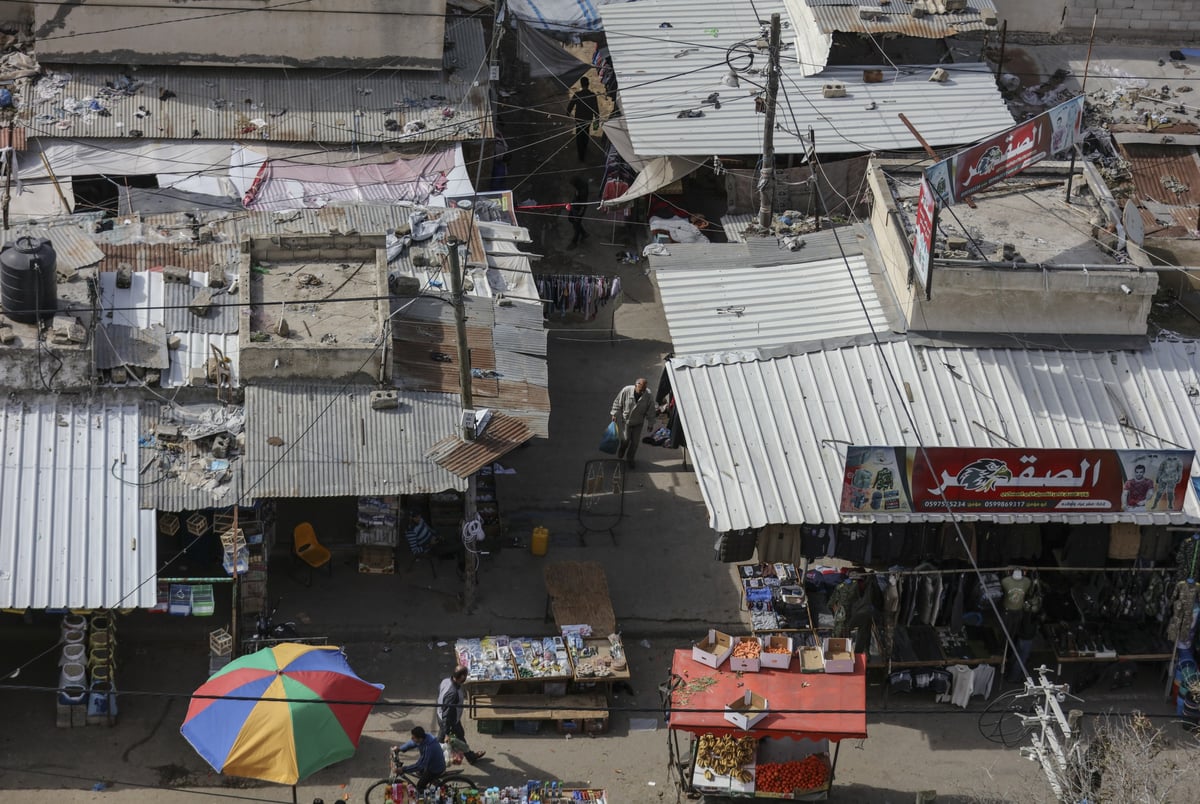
(576, 293)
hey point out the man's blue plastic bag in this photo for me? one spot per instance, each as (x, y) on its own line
(611, 441)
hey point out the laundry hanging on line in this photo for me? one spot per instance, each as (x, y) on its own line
(576, 293)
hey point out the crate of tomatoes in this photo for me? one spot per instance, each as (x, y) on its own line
(794, 779)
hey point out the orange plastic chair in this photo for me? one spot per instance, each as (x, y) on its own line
(306, 548)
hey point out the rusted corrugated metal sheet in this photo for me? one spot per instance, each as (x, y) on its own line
(148, 256)
(13, 138)
(464, 458)
(1168, 174)
(844, 16)
(73, 247)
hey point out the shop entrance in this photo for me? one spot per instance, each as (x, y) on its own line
(333, 518)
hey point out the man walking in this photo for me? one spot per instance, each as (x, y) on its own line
(449, 714)
(629, 412)
(584, 107)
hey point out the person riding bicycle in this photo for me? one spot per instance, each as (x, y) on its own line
(431, 763)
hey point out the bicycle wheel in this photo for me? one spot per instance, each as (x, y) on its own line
(377, 793)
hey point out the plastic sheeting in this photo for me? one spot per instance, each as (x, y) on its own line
(276, 185)
(571, 16)
(547, 58)
(658, 173)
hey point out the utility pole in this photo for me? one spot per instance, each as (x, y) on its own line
(470, 551)
(766, 180)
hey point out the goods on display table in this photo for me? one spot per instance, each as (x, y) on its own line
(593, 658)
(775, 597)
(767, 734)
(486, 659)
(540, 658)
(540, 792)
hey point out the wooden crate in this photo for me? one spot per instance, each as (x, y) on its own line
(375, 560)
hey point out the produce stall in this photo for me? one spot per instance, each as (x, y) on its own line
(764, 732)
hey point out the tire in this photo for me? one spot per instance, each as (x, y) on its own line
(376, 793)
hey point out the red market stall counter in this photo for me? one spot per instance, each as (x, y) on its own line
(804, 713)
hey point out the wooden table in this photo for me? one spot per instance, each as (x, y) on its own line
(578, 706)
(576, 594)
(603, 652)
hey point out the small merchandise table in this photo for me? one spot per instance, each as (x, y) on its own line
(546, 792)
(577, 594)
(775, 597)
(805, 712)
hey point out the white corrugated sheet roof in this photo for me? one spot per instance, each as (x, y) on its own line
(335, 445)
(723, 297)
(663, 71)
(769, 437)
(72, 534)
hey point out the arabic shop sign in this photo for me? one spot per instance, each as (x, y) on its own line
(1051, 134)
(981, 480)
(923, 240)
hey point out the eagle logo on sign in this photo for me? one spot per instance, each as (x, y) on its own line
(983, 474)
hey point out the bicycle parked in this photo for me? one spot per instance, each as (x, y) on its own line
(450, 787)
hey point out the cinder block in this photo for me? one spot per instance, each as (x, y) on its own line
(124, 275)
(216, 277)
(201, 303)
(384, 400)
(119, 376)
(173, 273)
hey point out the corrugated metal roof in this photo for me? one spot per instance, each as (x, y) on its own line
(195, 348)
(769, 437)
(743, 306)
(223, 312)
(843, 15)
(172, 482)
(667, 73)
(465, 458)
(73, 247)
(192, 256)
(144, 347)
(1168, 174)
(72, 534)
(334, 444)
(300, 105)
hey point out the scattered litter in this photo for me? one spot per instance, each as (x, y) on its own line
(500, 470)
(652, 784)
(442, 644)
(643, 724)
(645, 643)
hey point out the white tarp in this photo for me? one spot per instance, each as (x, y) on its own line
(124, 158)
(570, 16)
(659, 173)
(38, 200)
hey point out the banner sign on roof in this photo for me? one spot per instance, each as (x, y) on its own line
(983, 480)
(1051, 134)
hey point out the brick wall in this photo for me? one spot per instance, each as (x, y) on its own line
(1180, 17)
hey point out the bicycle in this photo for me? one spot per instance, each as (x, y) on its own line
(450, 787)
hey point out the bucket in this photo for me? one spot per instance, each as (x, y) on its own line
(102, 700)
(75, 652)
(73, 674)
(100, 657)
(72, 623)
(72, 695)
(540, 543)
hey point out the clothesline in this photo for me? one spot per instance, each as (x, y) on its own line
(576, 293)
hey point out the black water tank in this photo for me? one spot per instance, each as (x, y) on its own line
(27, 279)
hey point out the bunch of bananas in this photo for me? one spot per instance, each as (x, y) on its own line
(726, 756)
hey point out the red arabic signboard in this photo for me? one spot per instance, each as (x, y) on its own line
(1052, 133)
(981, 480)
(923, 240)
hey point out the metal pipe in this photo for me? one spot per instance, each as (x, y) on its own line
(1030, 265)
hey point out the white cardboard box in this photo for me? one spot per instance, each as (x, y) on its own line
(811, 659)
(839, 654)
(739, 788)
(777, 661)
(747, 710)
(714, 649)
(745, 665)
(718, 784)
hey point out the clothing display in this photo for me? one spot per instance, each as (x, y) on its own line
(571, 293)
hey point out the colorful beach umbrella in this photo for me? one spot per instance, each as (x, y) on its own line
(282, 741)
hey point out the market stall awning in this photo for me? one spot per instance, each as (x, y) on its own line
(658, 173)
(826, 706)
(465, 458)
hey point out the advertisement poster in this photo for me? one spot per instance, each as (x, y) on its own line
(1050, 134)
(982, 480)
(923, 240)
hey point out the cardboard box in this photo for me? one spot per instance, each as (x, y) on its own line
(777, 661)
(714, 649)
(718, 784)
(746, 665)
(739, 788)
(747, 710)
(812, 660)
(839, 654)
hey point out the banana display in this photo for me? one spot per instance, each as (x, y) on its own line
(726, 756)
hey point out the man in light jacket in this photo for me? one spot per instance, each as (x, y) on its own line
(629, 412)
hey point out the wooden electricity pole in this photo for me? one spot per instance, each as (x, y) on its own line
(766, 180)
(470, 551)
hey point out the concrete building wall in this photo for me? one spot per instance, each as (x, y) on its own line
(244, 33)
(1029, 300)
(1145, 17)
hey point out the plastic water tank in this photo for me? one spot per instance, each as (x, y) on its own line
(27, 279)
